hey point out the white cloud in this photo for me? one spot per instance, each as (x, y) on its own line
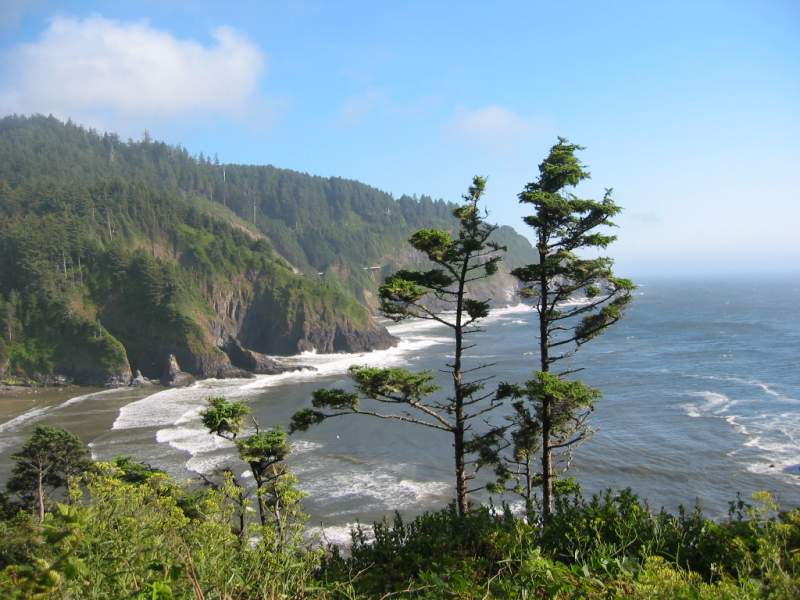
(97, 69)
(494, 126)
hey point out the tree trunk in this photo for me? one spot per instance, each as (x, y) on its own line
(528, 486)
(277, 508)
(458, 433)
(461, 479)
(40, 492)
(547, 458)
(259, 496)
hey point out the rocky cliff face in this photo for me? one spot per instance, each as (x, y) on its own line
(307, 326)
(246, 320)
(132, 260)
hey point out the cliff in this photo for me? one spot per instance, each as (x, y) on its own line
(115, 256)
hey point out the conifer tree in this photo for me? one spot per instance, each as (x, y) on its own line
(265, 453)
(438, 294)
(566, 228)
(45, 463)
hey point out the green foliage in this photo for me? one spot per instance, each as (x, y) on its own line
(135, 540)
(224, 418)
(44, 464)
(264, 452)
(122, 237)
(460, 259)
(32, 356)
(132, 471)
(565, 227)
(395, 384)
(130, 531)
(139, 237)
(609, 546)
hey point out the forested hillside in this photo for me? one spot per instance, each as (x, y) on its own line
(114, 255)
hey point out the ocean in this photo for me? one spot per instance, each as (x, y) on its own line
(701, 400)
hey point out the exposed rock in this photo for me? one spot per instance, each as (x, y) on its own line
(172, 375)
(229, 372)
(51, 380)
(140, 380)
(352, 339)
(256, 362)
(118, 380)
(85, 369)
(345, 338)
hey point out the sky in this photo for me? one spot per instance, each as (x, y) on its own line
(690, 111)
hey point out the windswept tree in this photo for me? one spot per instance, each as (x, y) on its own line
(265, 453)
(439, 294)
(46, 462)
(567, 230)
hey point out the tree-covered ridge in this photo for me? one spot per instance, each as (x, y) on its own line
(318, 224)
(111, 247)
(106, 262)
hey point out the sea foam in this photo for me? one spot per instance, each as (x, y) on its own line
(770, 438)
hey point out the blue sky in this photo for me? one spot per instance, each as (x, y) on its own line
(689, 110)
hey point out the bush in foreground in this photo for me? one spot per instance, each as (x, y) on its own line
(130, 532)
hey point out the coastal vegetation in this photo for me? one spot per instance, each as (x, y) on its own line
(74, 528)
(550, 411)
(128, 531)
(457, 261)
(116, 254)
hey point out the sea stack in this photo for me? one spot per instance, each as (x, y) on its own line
(172, 376)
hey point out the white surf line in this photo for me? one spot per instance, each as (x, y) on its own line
(175, 412)
(30, 415)
(770, 439)
(35, 414)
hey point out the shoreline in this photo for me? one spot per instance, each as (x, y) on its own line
(16, 400)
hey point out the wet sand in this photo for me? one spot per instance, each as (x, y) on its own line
(16, 400)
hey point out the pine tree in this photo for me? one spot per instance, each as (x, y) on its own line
(565, 228)
(45, 463)
(265, 453)
(457, 262)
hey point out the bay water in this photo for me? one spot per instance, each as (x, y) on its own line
(701, 400)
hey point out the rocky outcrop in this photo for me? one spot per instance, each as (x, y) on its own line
(270, 326)
(233, 372)
(255, 362)
(139, 380)
(347, 338)
(94, 357)
(172, 375)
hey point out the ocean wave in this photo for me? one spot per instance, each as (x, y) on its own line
(206, 464)
(77, 399)
(36, 414)
(376, 488)
(578, 301)
(340, 535)
(33, 414)
(771, 440)
(194, 440)
(163, 408)
(763, 386)
(714, 404)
